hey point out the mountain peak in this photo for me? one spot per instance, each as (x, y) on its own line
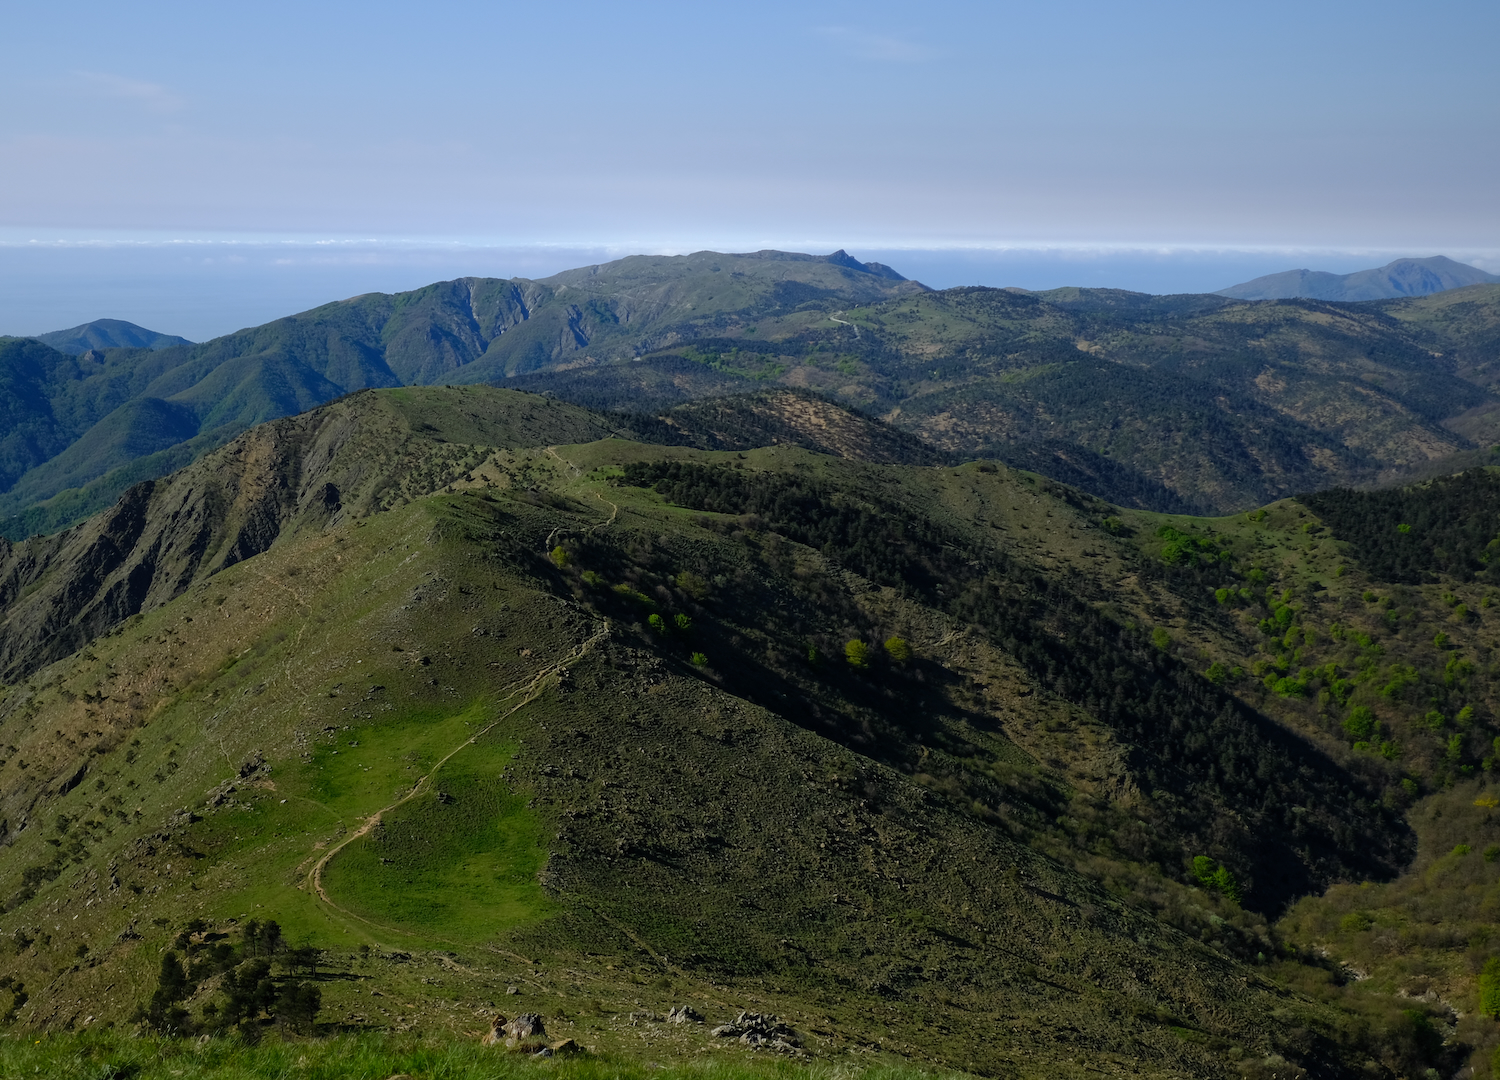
(843, 258)
(108, 334)
(1402, 277)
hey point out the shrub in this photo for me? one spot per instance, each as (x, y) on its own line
(1213, 876)
(682, 622)
(1216, 673)
(657, 623)
(1355, 922)
(698, 660)
(1289, 687)
(897, 649)
(559, 557)
(857, 653)
(1161, 639)
(692, 584)
(1489, 988)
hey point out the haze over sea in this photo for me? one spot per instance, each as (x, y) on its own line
(197, 170)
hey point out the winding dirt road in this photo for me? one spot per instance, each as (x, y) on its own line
(528, 691)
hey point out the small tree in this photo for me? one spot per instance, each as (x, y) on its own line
(164, 1013)
(898, 650)
(1360, 725)
(857, 653)
(248, 991)
(1213, 876)
(297, 1006)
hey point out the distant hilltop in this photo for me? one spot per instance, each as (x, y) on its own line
(1404, 277)
(108, 334)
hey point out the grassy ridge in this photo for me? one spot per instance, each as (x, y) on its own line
(678, 861)
(1035, 797)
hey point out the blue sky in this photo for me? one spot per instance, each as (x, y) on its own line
(1328, 134)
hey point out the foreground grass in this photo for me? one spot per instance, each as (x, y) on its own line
(109, 1056)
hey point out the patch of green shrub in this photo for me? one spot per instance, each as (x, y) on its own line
(898, 650)
(1211, 875)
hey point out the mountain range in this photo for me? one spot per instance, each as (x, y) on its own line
(1403, 277)
(1168, 403)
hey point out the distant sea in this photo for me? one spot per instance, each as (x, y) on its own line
(201, 288)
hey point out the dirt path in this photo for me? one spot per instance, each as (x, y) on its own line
(614, 509)
(841, 322)
(528, 691)
(576, 470)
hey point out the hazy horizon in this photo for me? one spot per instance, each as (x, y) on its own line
(206, 168)
(202, 288)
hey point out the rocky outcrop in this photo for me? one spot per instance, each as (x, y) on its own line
(514, 1033)
(760, 1031)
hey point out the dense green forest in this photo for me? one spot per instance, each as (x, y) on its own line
(1449, 527)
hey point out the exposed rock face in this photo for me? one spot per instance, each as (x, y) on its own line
(525, 1026)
